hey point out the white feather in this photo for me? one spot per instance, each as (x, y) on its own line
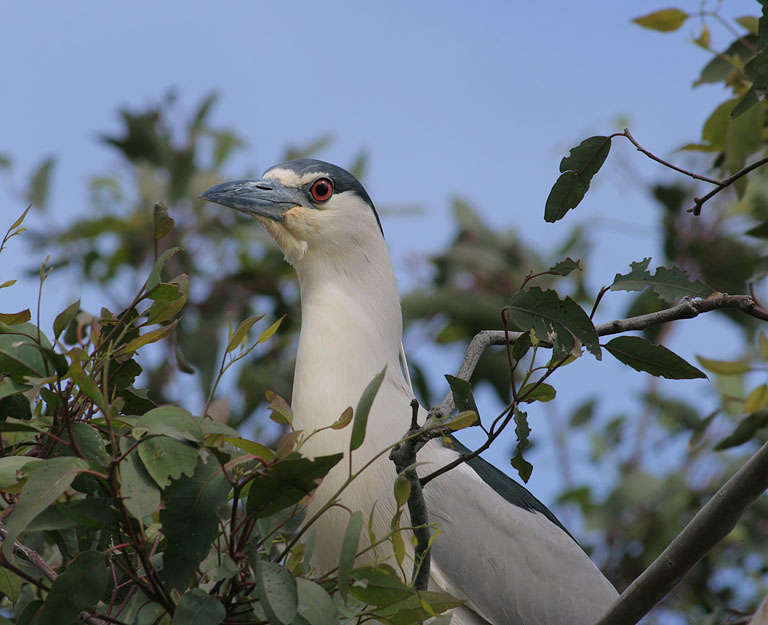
(512, 565)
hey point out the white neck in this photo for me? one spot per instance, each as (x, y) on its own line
(351, 327)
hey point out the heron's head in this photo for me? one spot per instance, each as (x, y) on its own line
(311, 208)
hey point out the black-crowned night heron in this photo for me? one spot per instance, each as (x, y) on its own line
(501, 549)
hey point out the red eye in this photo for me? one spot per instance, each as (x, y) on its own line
(321, 190)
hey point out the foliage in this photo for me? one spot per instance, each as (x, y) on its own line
(157, 514)
(148, 512)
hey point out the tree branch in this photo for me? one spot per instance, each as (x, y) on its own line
(710, 525)
(686, 309)
(698, 202)
(404, 457)
(31, 556)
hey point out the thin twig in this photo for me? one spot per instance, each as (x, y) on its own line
(652, 156)
(698, 202)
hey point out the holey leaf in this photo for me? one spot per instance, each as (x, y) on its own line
(578, 168)
(642, 355)
(670, 283)
(190, 519)
(277, 591)
(560, 322)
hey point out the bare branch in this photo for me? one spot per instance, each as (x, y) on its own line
(698, 202)
(710, 525)
(652, 156)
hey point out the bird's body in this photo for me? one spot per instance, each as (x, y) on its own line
(500, 549)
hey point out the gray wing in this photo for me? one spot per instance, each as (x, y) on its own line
(507, 554)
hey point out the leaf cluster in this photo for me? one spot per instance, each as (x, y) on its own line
(117, 509)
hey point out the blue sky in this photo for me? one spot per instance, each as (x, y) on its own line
(480, 99)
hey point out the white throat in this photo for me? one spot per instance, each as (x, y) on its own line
(351, 327)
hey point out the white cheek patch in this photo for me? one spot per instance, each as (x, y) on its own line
(289, 178)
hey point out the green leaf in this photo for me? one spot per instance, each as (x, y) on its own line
(96, 513)
(531, 392)
(421, 607)
(396, 538)
(402, 489)
(138, 490)
(724, 367)
(154, 275)
(252, 447)
(241, 333)
(462, 394)
(757, 71)
(348, 552)
(163, 309)
(383, 586)
(745, 430)
(561, 322)
(167, 459)
(87, 385)
(20, 219)
(757, 399)
(582, 414)
(162, 222)
(462, 420)
(642, 355)
(565, 267)
(168, 421)
(8, 386)
(20, 355)
(197, 607)
(363, 408)
(13, 319)
(578, 169)
(165, 292)
(316, 606)
(78, 588)
(10, 586)
(278, 593)
(713, 131)
(763, 342)
(670, 284)
(190, 520)
(270, 331)
(148, 337)
(64, 318)
(10, 467)
(344, 419)
(44, 486)
(522, 431)
(287, 482)
(281, 409)
(37, 193)
(665, 20)
(521, 346)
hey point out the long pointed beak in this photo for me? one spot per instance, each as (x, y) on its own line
(264, 198)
